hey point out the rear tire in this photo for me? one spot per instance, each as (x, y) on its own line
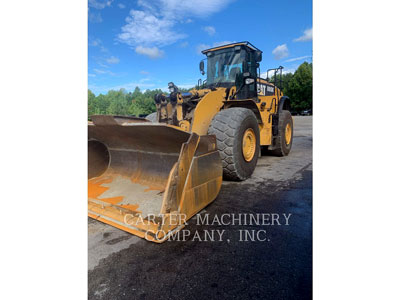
(284, 139)
(238, 141)
(152, 117)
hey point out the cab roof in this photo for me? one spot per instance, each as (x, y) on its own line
(246, 44)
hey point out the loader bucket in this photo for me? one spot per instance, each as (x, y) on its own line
(149, 179)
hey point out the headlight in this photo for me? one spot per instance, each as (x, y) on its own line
(249, 80)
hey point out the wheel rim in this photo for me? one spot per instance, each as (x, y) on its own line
(249, 144)
(288, 133)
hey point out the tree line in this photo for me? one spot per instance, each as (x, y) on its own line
(297, 86)
(136, 103)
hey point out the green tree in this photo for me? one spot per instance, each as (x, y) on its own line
(102, 103)
(286, 78)
(118, 102)
(91, 103)
(299, 88)
(137, 92)
(143, 103)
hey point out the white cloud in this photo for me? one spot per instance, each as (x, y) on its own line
(198, 8)
(95, 17)
(143, 72)
(152, 52)
(98, 71)
(100, 4)
(97, 43)
(202, 47)
(147, 5)
(121, 6)
(94, 42)
(102, 72)
(297, 58)
(280, 52)
(102, 65)
(154, 24)
(209, 29)
(307, 36)
(146, 29)
(183, 44)
(91, 75)
(112, 60)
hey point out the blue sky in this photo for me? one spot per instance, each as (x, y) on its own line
(148, 43)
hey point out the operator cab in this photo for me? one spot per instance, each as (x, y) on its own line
(233, 65)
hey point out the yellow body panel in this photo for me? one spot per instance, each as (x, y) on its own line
(214, 101)
(265, 112)
(270, 107)
(206, 109)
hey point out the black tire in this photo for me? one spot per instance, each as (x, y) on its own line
(283, 148)
(229, 126)
(152, 117)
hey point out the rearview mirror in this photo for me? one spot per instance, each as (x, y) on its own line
(202, 67)
(258, 56)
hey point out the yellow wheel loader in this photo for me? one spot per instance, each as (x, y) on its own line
(149, 176)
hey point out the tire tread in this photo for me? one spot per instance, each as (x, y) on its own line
(225, 126)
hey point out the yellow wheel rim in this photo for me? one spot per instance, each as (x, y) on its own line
(249, 144)
(288, 133)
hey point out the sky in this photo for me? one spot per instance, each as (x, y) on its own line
(148, 43)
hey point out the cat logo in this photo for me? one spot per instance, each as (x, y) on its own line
(261, 88)
(266, 90)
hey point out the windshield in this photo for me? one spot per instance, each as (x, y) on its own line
(222, 66)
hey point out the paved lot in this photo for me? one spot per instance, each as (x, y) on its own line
(122, 266)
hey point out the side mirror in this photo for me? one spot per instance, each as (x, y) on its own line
(201, 66)
(258, 56)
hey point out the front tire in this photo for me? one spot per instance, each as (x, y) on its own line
(238, 141)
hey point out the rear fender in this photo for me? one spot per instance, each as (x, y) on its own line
(284, 104)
